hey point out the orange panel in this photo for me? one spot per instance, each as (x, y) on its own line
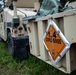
(54, 42)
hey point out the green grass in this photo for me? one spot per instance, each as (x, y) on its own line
(30, 66)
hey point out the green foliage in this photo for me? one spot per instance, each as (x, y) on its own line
(30, 66)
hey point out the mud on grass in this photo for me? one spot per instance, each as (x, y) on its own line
(30, 66)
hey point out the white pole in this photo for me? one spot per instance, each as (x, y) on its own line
(15, 8)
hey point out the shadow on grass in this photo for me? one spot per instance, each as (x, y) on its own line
(30, 66)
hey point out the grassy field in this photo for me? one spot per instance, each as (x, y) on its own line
(30, 66)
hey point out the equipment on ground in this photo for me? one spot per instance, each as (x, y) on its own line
(52, 37)
(12, 29)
